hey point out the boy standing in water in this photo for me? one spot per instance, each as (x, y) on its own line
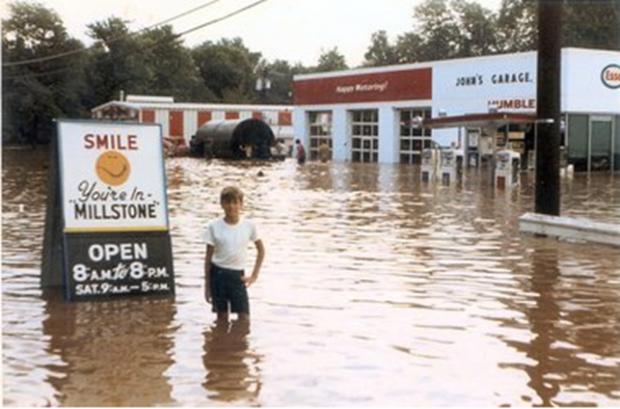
(227, 241)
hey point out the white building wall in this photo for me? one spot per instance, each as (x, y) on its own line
(300, 125)
(162, 117)
(388, 135)
(190, 124)
(270, 117)
(583, 89)
(285, 132)
(341, 141)
(472, 85)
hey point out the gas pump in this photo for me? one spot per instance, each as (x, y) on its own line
(507, 166)
(472, 157)
(451, 167)
(429, 165)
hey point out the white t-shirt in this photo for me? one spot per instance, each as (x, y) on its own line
(230, 241)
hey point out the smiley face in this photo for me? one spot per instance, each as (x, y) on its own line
(113, 168)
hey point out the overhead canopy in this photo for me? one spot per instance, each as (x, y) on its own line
(494, 119)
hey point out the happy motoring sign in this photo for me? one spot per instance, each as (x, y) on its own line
(114, 233)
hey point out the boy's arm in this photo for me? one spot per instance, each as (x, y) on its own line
(208, 257)
(260, 255)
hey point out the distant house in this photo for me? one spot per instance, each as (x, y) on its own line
(181, 120)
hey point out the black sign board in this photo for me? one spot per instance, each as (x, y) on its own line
(116, 264)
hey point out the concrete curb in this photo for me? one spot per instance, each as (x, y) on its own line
(574, 229)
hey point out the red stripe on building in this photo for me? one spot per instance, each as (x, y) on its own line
(176, 123)
(381, 86)
(257, 115)
(231, 115)
(148, 116)
(203, 117)
(285, 118)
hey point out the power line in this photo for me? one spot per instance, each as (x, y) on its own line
(114, 39)
(234, 13)
(173, 38)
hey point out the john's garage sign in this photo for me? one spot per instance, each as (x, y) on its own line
(107, 221)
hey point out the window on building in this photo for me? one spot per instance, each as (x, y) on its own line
(578, 141)
(320, 131)
(364, 134)
(413, 138)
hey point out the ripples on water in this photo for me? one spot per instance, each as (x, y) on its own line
(376, 289)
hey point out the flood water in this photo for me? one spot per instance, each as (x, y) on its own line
(376, 290)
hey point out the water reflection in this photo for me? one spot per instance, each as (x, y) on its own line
(113, 353)
(233, 368)
(574, 347)
(389, 292)
(543, 317)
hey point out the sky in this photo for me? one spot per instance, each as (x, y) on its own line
(292, 30)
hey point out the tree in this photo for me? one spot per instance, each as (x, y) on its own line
(36, 93)
(227, 69)
(408, 48)
(438, 30)
(516, 26)
(603, 24)
(117, 62)
(331, 60)
(380, 52)
(279, 75)
(171, 67)
(476, 29)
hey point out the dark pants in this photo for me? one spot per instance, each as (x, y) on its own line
(227, 288)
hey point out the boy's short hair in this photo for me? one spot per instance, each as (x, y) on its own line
(231, 193)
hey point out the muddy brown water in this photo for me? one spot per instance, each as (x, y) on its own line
(376, 290)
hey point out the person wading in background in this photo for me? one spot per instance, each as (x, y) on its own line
(301, 152)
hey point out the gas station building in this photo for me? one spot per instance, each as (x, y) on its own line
(479, 104)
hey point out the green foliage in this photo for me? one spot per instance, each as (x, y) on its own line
(227, 69)
(380, 52)
(35, 94)
(117, 61)
(279, 76)
(516, 26)
(476, 29)
(171, 67)
(438, 30)
(603, 24)
(408, 48)
(331, 60)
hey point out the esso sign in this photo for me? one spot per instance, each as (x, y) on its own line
(611, 76)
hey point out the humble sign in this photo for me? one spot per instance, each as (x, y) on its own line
(114, 238)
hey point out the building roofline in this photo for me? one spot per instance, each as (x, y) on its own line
(191, 105)
(425, 64)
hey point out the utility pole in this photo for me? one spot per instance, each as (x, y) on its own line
(548, 107)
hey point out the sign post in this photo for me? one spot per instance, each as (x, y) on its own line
(107, 230)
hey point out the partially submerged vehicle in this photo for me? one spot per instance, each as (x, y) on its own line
(234, 139)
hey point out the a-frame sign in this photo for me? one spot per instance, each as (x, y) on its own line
(107, 231)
